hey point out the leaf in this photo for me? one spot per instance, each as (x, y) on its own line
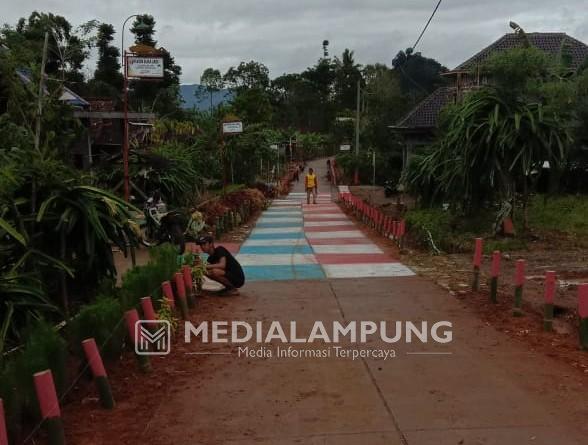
(7, 227)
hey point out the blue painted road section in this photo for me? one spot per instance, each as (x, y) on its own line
(273, 235)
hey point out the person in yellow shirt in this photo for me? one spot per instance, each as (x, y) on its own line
(311, 184)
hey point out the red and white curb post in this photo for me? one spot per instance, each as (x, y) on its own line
(99, 373)
(495, 272)
(519, 284)
(549, 297)
(148, 310)
(477, 263)
(168, 293)
(132, 317)
(181, 292)
(583, 313)
(189, 283)
(49, 406)
(3, 429)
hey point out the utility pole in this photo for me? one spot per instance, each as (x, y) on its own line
(356, 179)
(41, 91)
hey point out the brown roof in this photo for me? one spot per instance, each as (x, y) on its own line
(424, 115)
(550, 42)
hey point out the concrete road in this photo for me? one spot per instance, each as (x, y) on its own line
(480, 388)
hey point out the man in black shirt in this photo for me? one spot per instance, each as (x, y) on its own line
(222, 266)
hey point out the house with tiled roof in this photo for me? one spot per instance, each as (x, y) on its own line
(419, 125)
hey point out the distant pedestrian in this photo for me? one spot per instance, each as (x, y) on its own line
(311, 185)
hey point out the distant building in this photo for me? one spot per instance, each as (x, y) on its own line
(419, 125)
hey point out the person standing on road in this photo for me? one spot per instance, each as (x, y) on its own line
(311, 185)
(222, 266)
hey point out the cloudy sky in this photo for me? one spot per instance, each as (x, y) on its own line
(287, 35)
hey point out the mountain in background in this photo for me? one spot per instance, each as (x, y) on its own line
(202, 102)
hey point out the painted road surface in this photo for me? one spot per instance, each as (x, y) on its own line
(293, 240)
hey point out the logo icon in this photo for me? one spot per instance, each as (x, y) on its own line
(153, 337)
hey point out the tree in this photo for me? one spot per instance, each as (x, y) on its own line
(212, 80)
(161, 97)
(67, 48)
(108, 66)
(419, 76)
(250, 81)
(248, 75)
(347, 74)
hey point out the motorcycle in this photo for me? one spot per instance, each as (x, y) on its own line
(389, 188)
(162, 225)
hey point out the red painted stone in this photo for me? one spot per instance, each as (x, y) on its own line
(180, 285)
(583, 300)
(520, 273)
(147, 307)
(549, 286)
(132, 317)
(93, 358)
(168, 293)
(46, 395)
(478, 253)
(495, 269)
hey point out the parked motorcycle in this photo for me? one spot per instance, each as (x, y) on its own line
(162, 225)
(389, 188)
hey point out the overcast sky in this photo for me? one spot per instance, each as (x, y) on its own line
(287, 35)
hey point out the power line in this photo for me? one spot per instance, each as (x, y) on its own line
(427, 25)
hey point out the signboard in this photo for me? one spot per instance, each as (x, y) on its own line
(232, 127)
(345, 147)
(145, 67)
(274, 146)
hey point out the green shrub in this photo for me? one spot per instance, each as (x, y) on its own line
(43, 349)
(103, 321)
(143, 281)
(12, 397)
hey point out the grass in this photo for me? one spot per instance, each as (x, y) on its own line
(567, 214)
(561, 214)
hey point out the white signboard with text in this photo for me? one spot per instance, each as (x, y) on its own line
(145, 67)
(232, 127)
(345, 147)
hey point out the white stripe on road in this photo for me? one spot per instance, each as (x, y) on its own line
(366, 270)
(275, 259)
(277, 219)
(342, 234)
(353, 248)
(296, 229)
(275, 242)
(328, 223)
(328, 216)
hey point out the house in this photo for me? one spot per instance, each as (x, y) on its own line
(418, 127)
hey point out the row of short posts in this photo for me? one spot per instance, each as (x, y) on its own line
(49, 403)
(44, 383)
(549, 290)
(374, 218)
(232, 219)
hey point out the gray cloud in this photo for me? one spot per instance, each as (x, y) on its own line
(287, 35)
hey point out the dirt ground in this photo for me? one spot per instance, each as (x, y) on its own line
(556, 252)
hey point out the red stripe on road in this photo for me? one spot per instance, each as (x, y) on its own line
(329, 228)
(354, 258)
(337, 241)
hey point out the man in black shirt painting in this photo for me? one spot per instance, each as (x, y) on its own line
(222, 267)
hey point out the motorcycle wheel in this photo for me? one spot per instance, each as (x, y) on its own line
(146, 237)
(178, 238)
